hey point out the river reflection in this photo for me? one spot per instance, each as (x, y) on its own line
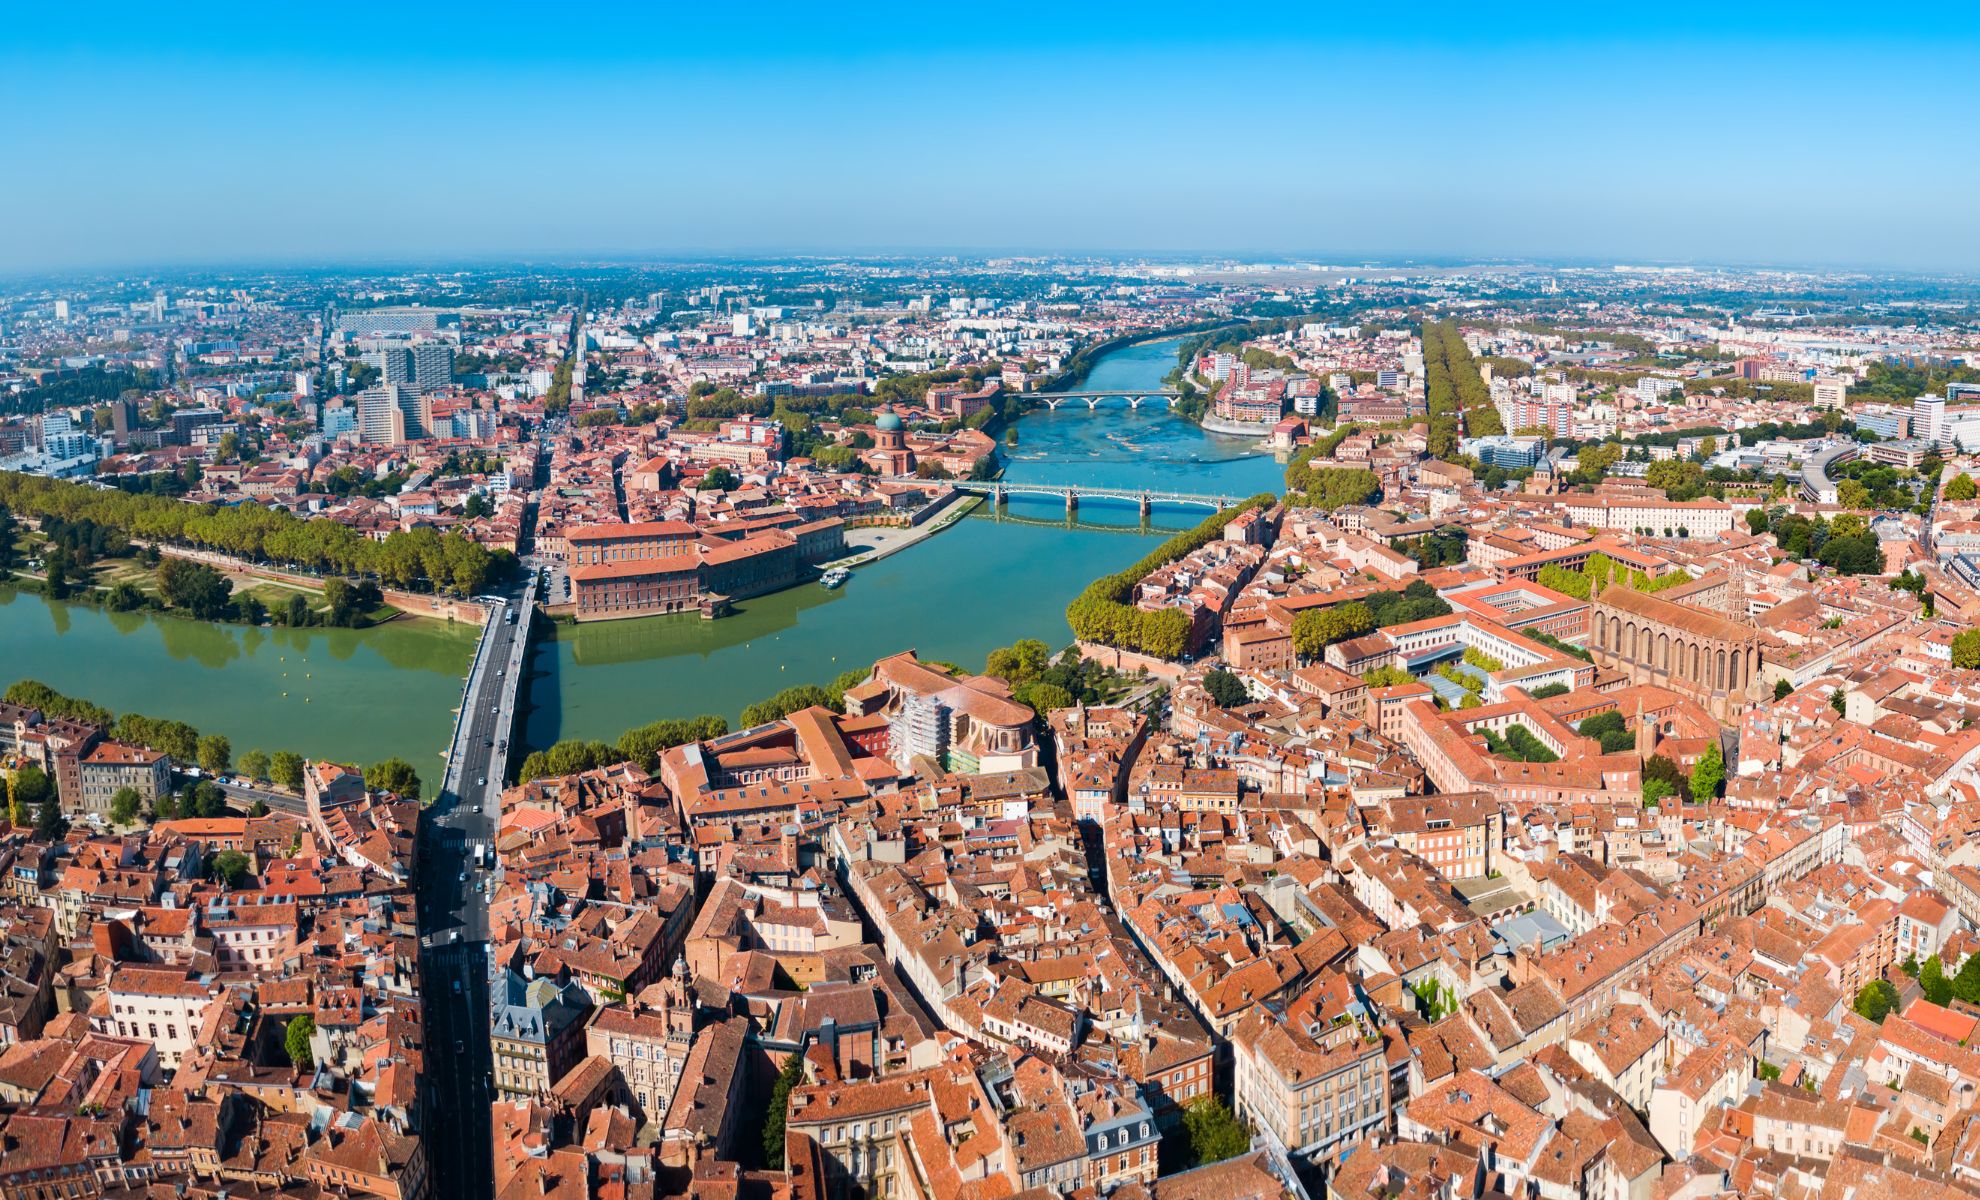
(361, 695)
(356, 695)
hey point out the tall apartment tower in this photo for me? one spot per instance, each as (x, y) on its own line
(432, 365)
(1928, 419)
(394, 364)
(392, 413)
(123, 419)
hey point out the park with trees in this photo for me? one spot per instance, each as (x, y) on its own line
(420, 559)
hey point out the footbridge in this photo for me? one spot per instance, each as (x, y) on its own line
(1001, 490)
(1133, 396)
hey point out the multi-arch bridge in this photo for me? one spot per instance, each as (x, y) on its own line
(1143, 498)
(1133, 396)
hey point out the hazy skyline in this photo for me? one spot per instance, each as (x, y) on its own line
(1802, 134)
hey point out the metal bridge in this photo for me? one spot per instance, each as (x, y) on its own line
(1133, 396)
(1000, 490)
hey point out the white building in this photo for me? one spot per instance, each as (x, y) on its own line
(1928, 419)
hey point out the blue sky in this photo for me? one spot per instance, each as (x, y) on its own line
(1805, 133)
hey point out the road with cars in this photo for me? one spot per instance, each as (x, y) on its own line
(455, 876)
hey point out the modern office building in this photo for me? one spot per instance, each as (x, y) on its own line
(1885, 423)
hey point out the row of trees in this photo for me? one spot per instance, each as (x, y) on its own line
(1330, 488)
(1036, 678)
(1456, 393)
(642, 745)
(90, 385)
(1300, 469)
(645, 744)
(1102, 614)
(418, 559)
(185, 745)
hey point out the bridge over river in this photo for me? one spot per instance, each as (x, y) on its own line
(1143, 498)
(1133, 396)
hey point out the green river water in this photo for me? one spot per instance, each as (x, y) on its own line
(362, 695)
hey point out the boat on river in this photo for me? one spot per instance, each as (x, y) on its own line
(835, 577)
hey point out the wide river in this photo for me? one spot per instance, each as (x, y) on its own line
(985, 582)
(346, 694)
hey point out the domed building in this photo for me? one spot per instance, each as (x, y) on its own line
(890, 454)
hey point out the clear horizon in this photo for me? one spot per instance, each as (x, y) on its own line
(1811, 136)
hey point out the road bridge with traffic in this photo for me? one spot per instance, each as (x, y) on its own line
(456, 876)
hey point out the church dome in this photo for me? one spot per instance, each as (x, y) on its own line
(889, 421)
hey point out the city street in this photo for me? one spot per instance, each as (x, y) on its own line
(455, 877)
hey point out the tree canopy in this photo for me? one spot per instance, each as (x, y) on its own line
(296, 1040)
(416, 559)
(1315, 629)
(1101, 613)
(774, 1120)
(1876, 1000)
(1210, 1133)
(126, 805)
(786, 702)
(1708, 773)
(1226, 690)
(1966, 650)
(1455, 391)
(394, 775)
(230, 867)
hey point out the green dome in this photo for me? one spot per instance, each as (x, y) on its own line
(888, 420)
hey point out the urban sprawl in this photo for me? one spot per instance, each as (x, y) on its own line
(1566, 783)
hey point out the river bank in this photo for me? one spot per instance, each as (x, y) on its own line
(881, 541)
(1245, 429)
(353, 695)
(991, 578)
(1086, 359)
